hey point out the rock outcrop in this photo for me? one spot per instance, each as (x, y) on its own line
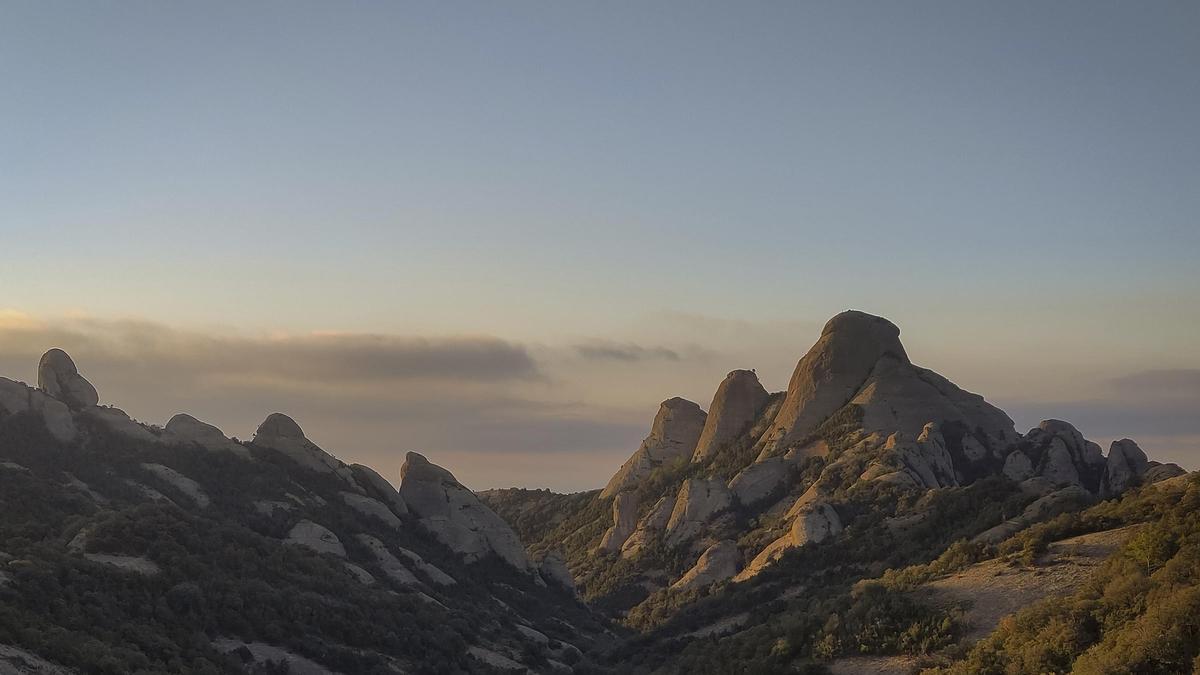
(281, 433)
(832, 372)
(739, 399)
(183, 429)
(373, 508)
(924, 462)
(812, 524)
(180, 482)
(718, 562)
(1126, 464)
(316, 537)
(16, 397)
(673, 436)
(119, 422)
(649, 528)
(1059, 453)
(58, 377)
(455, 516)
(387, 561)
(624, 510)
(697, 502)
(377, 485)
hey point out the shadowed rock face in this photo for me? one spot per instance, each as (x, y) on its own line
(281, 433)
(16, 397)
(58, 377)
(738, 400)
(184, 428)
(832, 372)
(673, 436)
(454, 515)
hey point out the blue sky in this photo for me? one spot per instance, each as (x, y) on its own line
(1016, 184)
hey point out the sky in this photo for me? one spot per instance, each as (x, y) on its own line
(501, 233)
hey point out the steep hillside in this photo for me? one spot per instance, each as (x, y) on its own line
(130, 548)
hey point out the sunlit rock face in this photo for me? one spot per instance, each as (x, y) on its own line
(673, 437)
(718, 562)
(58, 377)
(455, 516)
(833, 371)
(738, 400)
(624, 511)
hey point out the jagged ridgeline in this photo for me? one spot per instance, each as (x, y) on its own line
(132, 548)
(753, 522)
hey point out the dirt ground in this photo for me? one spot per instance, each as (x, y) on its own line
(992, 590)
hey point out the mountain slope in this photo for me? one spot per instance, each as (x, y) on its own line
(127, 548)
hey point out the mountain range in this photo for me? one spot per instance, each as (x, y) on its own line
(808, 530)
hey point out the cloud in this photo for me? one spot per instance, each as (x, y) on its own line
(1167, 383)
(329, 358)
(368, 398)
(599, 350)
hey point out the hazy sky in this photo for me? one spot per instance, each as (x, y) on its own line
(500, 233)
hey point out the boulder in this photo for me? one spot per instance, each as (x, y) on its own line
(58, 377)
(673, 436)
(697, 502)
(183, 429)
(1125, 465)
(316, 537)
(739, 399)
(455, 516)
(17, 397)
(718, 562)
(624, 510)
(281, 433)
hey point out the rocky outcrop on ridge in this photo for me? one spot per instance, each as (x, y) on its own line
(625, 520)
(455, 516)
(697, 502)
(832, 372)
(673, 436)
(739, 399)
(17, 397)
(814, 523)
(58, 377)
(183, 429)
(377, 485)
(281, 433)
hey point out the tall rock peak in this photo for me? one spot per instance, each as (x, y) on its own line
(739, 398)
(673, 435)
(58, 377)
(833, 370)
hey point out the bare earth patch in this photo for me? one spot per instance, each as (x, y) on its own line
(993, 589)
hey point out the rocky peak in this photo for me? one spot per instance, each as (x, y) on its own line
(673, 435)
(184, 429)
(833, 370)
(58, 377)
(738, 400)
(455, 516)
(281, 433)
